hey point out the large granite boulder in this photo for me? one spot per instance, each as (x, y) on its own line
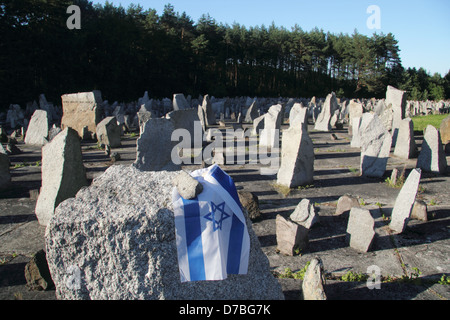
(117, 239)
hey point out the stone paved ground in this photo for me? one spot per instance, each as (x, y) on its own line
(424, 246)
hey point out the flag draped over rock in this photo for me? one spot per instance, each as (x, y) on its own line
(211, 232)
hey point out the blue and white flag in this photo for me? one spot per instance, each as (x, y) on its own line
(211, 232)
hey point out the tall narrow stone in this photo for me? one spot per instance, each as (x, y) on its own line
(272, 123)
(375, 146)
(397, 98)
(432, 156)
(405, 202)
(63, 173)
(328, 110)
(209, 112)
(406, 147)
(179, 102)
(297, 158)
(313, 285)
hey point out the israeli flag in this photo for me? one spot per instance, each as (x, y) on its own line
(211, 232)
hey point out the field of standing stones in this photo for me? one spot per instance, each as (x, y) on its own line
(344, 199)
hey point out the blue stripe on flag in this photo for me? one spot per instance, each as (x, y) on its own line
(237, 227)
(194, 239)
(235, 246)
(227, 183)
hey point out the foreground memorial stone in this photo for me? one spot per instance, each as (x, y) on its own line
(118, 235)
(405, 202)
(63, 173)
(37, 132)
(292, 238)
(82, 112)
(406, 146)
(432, 157)
(297, 158)
(397, 100)
(361, 229)
(314, 281)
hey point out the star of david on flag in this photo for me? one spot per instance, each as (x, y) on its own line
(211, 232)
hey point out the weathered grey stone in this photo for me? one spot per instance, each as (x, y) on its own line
(405, 201)
(304, 214)
(37, 132)
(187, 186)
(63, 173)
(406, 147)
(270, 135)
(208, 111)
(252, 112)
(292, 238)
(186, 119)
(37, 273)
(355, 110)
(119, 236)
(432, 157)
(179, 102)
(356, 137)
(419, 211)
(82, 112)
(108, 132)
(444, 130)
(251, 203)
(361, 229)
(298, 116)
(258, 125)
(328, 110)
(313, 285)
(297, 158)
(346, 203)
(375, 146)
(154, 147)
(397, 98)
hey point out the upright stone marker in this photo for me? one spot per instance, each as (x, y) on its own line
(179, 102)
(361, 229)
(108, 132)
(63, 173)
(37, 132)
(154, 146)
(375, 146)
(405, 202)
(313, 285)
(297, 159)
(272, 123)
(432, 157)
(396, 98)
(328, 110)
(82, 112)
(406, 147)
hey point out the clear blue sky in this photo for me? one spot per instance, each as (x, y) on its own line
(421, 27)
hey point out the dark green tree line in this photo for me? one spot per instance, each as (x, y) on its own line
(124, 52)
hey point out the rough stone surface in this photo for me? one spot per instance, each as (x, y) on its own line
(305, 214)
(298, 116)
(346, 203)
(120, 234)
(419, 211)
(356, 137)
(396, 98)
(361, 229)
(37, 132)
(314, 281)
(297, 158)
(187, 186)
(179, 102)
(251, 203)
(272, 123)
(108, 132)
(291, 237)
(444, 130)
(82, 112)
(405, 202)
(328, 110)
(63, 173)
(355, 110)
(406, 145)
(252, 113)
(37, 273)
(208, 111)
(154, 146)
(375, 146)
(432, 156)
